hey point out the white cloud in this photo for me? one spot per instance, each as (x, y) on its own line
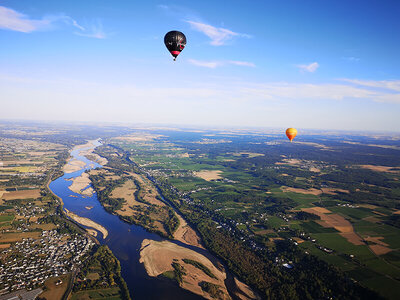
(93, 31)
(215, 64)
(270, 91)
(309, 68)
(304, 91)
(256, 104)
(242, 63)
(206, 64)
(13, 20)
(351, 58)
(218, 36)
(16, 21)
(384, 84)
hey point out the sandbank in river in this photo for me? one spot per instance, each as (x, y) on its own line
(87, 222)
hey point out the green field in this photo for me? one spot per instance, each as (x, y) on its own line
(252, 194)
(354, 213)
(6, 218)
(388, 287)
(313, 227)
(109, 293)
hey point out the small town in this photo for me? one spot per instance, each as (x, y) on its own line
(27, 264)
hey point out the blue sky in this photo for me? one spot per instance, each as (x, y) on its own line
(305, 64)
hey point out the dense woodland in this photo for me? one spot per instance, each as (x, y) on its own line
(106, 269)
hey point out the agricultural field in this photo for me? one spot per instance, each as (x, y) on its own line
(56, 287)
(25, 168)
(28, 216)
(25, 164)
(319, 210)
(321, 196)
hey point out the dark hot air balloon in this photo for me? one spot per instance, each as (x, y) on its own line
(175, 41)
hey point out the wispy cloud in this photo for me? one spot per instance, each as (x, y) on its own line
(351, 58)
(215, 64)
(218, 36)
(13, 20)
(93, 31)
(383, 84)
(248, 102)
(206, 64)
(377, 91)
(241, 91)
(241, 63)
(309, 68)
(304, 91)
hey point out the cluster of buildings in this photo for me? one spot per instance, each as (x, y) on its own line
(27, 264)
(348, 205)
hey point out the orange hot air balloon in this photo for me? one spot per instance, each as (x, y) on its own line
(291, 133)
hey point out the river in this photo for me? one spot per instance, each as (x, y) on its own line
(123, 239)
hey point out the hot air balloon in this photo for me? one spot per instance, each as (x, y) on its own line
(291, 133)
(175, 41)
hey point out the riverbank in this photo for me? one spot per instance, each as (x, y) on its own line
(87, 222)
(186, 234)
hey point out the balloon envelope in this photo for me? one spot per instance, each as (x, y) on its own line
(291, 133)
(175, 41)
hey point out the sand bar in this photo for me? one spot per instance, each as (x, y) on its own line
(73, 165)
(80, 185)
(186, 234)
(92, 232)
(158, 257)
(245, 292)
(87, 222)
(87, 145)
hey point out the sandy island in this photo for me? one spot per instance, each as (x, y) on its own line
(158, 257)
(80, 185)
(73, 165)
(90, 155)
(87, 222)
